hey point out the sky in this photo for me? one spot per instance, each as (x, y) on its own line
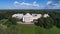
(29, 4)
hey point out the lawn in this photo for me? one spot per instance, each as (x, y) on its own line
(54, 30)
(30, 29)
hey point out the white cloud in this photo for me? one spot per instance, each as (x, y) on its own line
(16, 2)
(34, 2)
(49, 2)
(27, 4)
(53, 5)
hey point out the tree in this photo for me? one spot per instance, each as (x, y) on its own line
(45, 22)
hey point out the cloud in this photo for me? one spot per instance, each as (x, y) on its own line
(27, 4)
(16, 2)
(53, 4)
(49, 2)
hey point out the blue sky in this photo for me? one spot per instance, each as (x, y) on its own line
(29, 4)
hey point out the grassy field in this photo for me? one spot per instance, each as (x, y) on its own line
(30, 29)
(53, 30)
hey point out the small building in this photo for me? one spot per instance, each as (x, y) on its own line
(45, 15)
(19, 16)
(36, 16)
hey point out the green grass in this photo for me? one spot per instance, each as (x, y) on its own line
(53, 30)
(27, 29)
(30, 29)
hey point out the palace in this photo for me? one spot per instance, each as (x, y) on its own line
(29, 17)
